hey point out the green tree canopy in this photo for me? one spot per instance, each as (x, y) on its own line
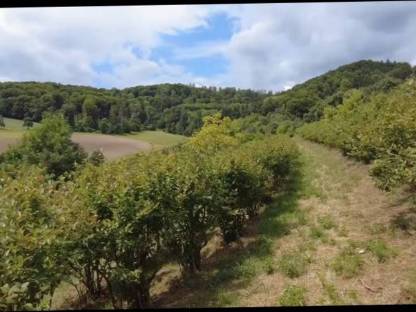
(48, 146)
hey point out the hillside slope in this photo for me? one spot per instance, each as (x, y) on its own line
(179, 108)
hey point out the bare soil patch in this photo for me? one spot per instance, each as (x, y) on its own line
(6, 142)
(112, 146)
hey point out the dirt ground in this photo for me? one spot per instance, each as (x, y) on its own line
(6, 142)
(112, 146)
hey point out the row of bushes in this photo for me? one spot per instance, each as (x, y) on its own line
(380, 129)
(117, 224)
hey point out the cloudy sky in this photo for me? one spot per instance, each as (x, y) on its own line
(258, 46)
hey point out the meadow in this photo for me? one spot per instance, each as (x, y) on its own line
(112, 146)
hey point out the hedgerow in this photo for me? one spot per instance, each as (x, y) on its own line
(113, 226)
(380, 129)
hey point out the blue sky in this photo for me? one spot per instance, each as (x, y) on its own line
(219, 28)
(257, 46)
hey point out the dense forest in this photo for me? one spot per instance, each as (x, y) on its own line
(180, 108)
(174, 108)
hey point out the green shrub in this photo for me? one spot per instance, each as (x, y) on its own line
(347, 263)
(48, 146)
(380, 250)
(96, 158)
(316, 232)
(331, 291)
(293, 264)
(269, 265)
(293, 296)
(30, 267)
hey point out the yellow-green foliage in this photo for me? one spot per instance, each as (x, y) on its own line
(28, 236)
(214, 135)
(293, 296)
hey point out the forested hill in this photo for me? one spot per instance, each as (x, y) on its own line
(179, 108)
(307, 101)
(174, 108)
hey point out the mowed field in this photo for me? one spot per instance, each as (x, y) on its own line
(112, 146)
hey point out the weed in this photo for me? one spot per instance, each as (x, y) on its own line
(294, 264)
(347, 263)
(317, 232)
(331, 291)
(327, 222)
(264, 246)
(307, 246)
(247, 269)
(225, 299)
(243, 270)
(302, 218)
(269, 265)
(380, 250)
(353, 295)
(293, 296)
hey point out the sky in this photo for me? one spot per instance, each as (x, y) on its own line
(256, 46)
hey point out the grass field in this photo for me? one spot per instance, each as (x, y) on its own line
(15, 125)
(113, 146)
(11, 133)
(14, 128)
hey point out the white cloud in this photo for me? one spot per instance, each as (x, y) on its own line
(61, 44)
(279, 44)
(274, 46)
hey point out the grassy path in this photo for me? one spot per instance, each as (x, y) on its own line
(333, 239)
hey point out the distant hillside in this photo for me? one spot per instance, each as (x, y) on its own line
(179, 108)
(307, 101)
(174, 108)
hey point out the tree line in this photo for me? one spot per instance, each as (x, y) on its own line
(175, 108)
